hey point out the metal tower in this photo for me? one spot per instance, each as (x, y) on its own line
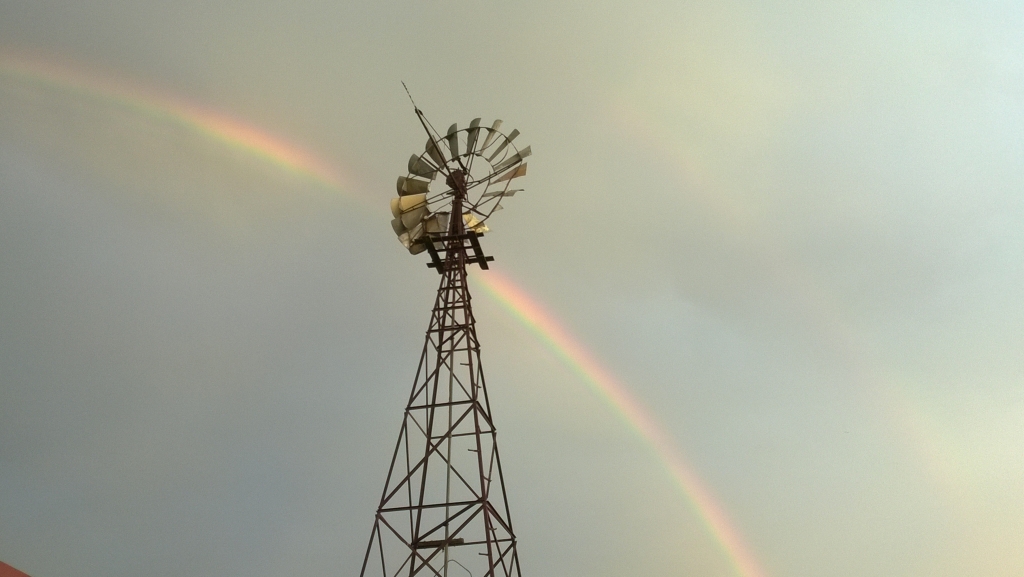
(444, 508)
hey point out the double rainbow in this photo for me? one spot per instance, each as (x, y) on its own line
(516, 300)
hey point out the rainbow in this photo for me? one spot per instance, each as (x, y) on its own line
(545, 327)
(214, 125)
(503, 290)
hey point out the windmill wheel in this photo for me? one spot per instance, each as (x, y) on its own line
(468, 171)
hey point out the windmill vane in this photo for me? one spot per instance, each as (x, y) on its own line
(444, 498)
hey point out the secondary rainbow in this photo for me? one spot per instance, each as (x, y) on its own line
(544, 325)
(503, 290)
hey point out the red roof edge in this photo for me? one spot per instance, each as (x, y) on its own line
(8, 571)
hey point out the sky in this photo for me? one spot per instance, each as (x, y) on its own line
(756, 314)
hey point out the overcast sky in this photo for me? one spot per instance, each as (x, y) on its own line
(791, 230)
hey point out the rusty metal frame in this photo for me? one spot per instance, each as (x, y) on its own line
(447, 435)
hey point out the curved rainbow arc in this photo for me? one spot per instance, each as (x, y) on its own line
(543, 325)
(214, 125)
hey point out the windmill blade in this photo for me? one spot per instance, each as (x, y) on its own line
(474, 224)
(492, 133)
(421, 167)
(397, 226)
(408, 240)
(416, 232)
(412, 209)
(501, 193)
(514, 159)
(471, 135)
(434, 153)
(436, 223)
(512, 136)
(519, 171)
(396, 208)
(413, 217)
(407, 186)
(505, 167)
(453, 140)
(410, 202)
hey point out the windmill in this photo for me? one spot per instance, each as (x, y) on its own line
(444, 506)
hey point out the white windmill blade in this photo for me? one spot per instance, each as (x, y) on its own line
(512, 136)
(412, 218)
(515, 158)
(519, 171)
(397, 226)
(453, 140)
(471, 135)
(410, 202)
(421, 167)
(407, 186)
(492, 133)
